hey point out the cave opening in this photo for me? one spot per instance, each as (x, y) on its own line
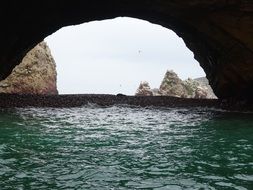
(220, 44)
(114, 56)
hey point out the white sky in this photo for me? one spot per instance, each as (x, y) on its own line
(114, 56)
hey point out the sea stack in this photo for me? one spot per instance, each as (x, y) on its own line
(36, 74)
(172, 85)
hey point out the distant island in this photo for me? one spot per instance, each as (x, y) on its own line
(172, 85)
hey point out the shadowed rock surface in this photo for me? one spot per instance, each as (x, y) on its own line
(12, 100)
(36, 74)
(61, 101)
(218, 32)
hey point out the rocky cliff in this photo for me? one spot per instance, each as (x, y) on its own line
(36, 74)
(172, 85)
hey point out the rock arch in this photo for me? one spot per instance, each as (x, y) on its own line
(218, 32)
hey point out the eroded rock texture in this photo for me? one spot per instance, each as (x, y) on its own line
(144, 89)
(36, 74)
(205, 83)
(172, 85)
(219, 32)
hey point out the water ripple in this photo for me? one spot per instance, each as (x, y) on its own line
(124, 147)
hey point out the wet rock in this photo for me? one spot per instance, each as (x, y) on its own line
(121, 95)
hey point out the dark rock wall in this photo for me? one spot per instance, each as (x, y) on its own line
(219, 32)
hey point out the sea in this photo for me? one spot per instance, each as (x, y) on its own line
(125, 147)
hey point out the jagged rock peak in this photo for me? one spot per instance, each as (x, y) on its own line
(36, 74)
(172, 85)
(144, 89)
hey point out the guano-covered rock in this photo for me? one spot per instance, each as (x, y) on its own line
(36, 74)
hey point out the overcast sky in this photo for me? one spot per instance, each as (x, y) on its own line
(114, 56)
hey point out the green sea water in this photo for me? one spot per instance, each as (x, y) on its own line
(124, 147)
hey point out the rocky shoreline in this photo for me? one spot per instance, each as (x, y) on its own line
(78, 100)
(15, 100)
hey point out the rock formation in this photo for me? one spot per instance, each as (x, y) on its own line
(172, 85)
(205, 83)
(36, 74)
(144, 90)
(218, 32)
